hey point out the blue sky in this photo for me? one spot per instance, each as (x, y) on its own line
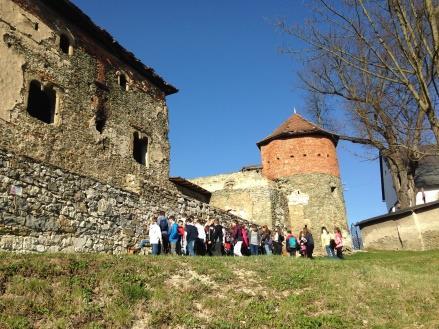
(235, 85)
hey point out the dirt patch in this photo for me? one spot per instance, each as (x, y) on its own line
(184, 279)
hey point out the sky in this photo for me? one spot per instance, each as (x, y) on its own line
(235, 85)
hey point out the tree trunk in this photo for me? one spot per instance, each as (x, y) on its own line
(403, 182)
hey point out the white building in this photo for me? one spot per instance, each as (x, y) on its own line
(426, 182)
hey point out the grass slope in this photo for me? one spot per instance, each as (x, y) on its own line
(367, 290)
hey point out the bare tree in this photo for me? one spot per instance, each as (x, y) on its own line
(379, 59)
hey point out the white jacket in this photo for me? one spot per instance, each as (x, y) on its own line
(155, 234)
(201, 231)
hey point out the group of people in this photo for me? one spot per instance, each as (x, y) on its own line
(196, 237)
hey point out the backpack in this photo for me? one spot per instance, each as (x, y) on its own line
(292, 242)
(163, 224)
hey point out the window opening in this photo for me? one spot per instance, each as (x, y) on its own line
(140, 148)
(41, 102)
(64, 44)
(101, 118)
(123, 81)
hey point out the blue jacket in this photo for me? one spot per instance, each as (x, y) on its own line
(173, 233)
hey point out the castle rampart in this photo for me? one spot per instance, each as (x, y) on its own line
(45, 208)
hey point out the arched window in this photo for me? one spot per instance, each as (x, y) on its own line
(41, 102)
(140, 149)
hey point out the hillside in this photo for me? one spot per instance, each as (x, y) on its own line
(367, 290)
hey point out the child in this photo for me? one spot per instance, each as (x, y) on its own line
(291, 244)
(228, 246)
(302, 242)
(338, 243)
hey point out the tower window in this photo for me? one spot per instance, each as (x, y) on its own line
(304, 155)
(140, 149)
(65, 44)
(291, 156)
(41, 102)
(122, 80)
(319, 155)
(278, 158)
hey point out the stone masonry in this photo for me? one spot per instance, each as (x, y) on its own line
(103, 96)
(298, 183)
(84, 149)
(45, 208)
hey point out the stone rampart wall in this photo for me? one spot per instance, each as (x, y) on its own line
(44, 208)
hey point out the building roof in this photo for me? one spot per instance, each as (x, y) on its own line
(194, 187)
(68, 11)
(296, 125)
(251, 168)
(396, 214)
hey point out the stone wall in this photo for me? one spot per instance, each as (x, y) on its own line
(245, 194)
(412, 229)
(299, 155)
(87, 86)
(314, 200)
(45, 208)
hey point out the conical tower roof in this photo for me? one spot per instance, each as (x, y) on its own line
(296, 125)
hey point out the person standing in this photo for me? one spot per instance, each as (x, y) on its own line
(217, 238)
(191, 236)
(181, 247)
(209, 229)
(325, 238)
(245, 243)
(155, 237)
(200, 242)
(173, 235)
(291, 244)
(338, 243)
(309, 242)
(302, 243)
(267, 241)
(255, 240)
(163, 223)
(278, 239)
(237, 238)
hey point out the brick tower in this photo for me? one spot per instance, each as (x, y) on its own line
(301, 160)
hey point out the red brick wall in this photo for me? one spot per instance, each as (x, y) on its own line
(306, 154)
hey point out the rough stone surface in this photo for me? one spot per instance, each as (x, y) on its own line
(44, 208)
(85, 81)
(245, 194)
(314, 200)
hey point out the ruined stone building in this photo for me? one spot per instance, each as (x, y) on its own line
(84, 149)
(297, 184)
(74, 98)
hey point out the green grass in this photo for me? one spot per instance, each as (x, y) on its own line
(367, 290)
